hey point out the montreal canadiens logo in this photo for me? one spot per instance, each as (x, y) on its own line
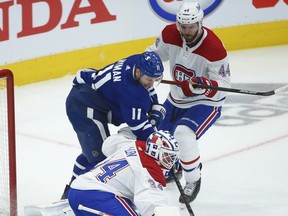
(182, 73)
(167, 9)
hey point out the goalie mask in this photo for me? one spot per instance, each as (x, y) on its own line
(162, 146)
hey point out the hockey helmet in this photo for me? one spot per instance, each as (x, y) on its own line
(150, 64)
(189, 13)
(162, 146)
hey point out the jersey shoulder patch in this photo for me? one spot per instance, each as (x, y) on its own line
(212, 47)
(171, 35)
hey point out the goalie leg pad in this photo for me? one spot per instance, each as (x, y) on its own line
(53, 209)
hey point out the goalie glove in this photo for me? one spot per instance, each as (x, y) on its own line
(189, 90)
(157, 114)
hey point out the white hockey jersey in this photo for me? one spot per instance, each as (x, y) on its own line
(207, 57)
(129, 173)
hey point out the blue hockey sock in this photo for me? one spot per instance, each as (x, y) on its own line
(80, 166)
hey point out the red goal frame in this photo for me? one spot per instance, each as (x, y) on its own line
(6, 73)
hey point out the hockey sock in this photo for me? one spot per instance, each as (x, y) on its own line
(80, 166)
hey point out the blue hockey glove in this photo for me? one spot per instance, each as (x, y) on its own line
(157, 115)
(178, 172)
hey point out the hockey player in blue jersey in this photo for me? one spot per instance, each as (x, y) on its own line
(121, 92)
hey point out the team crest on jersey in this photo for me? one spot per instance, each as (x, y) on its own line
(131, 152)
(181, 73)
(167, 9)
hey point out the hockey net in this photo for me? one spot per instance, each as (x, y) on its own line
(8, 190)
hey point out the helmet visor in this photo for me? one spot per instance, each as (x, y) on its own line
(168, 158)
(158, 81)
(148, 81)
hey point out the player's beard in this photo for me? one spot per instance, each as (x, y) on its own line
(190, 38)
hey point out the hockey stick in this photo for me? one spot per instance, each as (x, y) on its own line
(179, 186)
(240, 91)
(94, 211)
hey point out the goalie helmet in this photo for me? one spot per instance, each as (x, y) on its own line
(150, 64)
(162, 146)
(189, 13)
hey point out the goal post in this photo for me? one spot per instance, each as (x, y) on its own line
(8, 185)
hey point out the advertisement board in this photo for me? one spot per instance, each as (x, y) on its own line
(53, 30)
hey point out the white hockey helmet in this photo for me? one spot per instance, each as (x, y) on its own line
(162, 146)
(189, 13)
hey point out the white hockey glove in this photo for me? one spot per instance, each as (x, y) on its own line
(157, 114)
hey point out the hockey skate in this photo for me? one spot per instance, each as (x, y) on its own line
(191, 191)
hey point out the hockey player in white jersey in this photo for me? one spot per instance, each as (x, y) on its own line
(130, 181)
(196, 55)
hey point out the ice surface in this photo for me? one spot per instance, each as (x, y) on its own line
(245, 163)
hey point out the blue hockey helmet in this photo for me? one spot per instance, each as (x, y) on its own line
(150, 64)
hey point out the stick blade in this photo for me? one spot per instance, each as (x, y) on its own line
(281, 89)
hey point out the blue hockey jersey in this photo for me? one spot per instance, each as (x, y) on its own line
(128, 100)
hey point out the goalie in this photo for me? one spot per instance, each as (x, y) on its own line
(129, 181)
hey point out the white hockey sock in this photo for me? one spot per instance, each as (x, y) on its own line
(189, 152)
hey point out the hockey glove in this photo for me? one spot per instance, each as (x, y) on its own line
(153, 95)
(178, 172)
(189, 90)
(157, 115)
